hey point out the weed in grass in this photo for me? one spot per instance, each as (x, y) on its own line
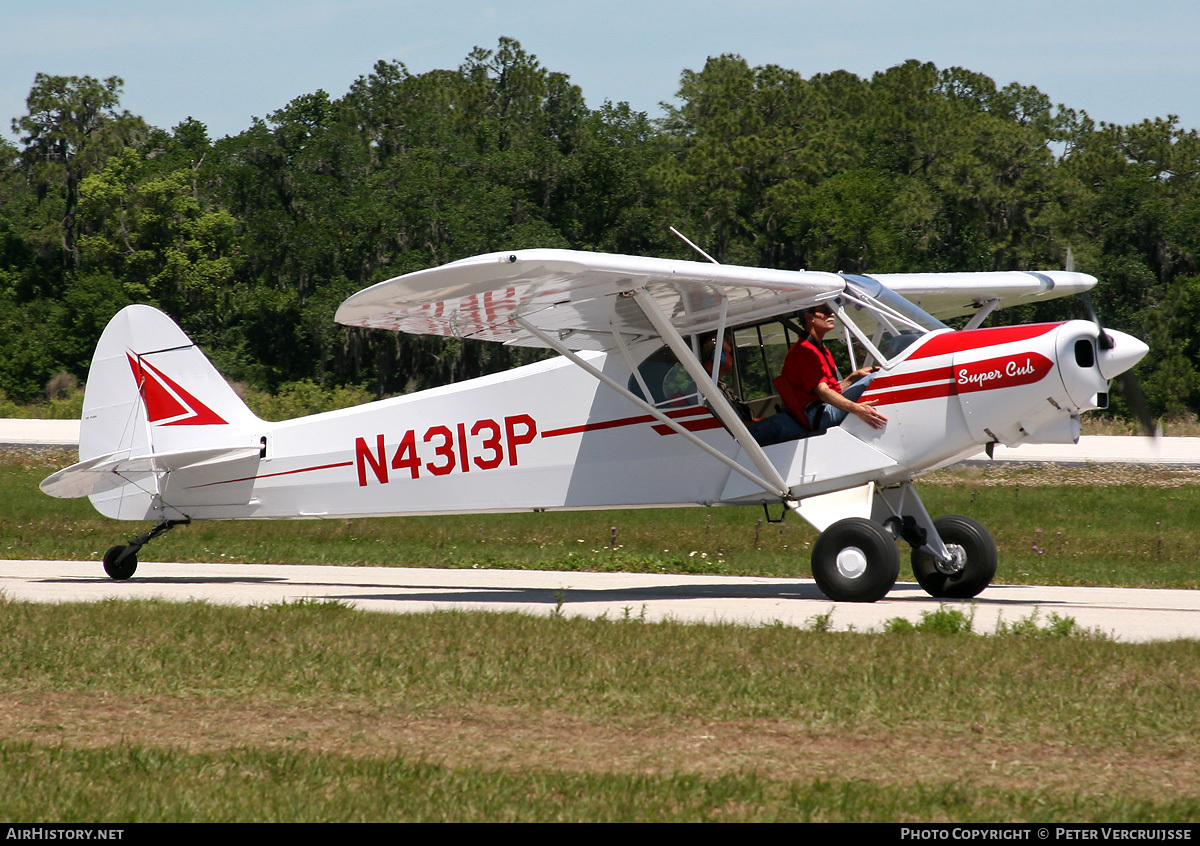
(820, 622)
(1057, 626)
(943, 621)
(627, 615)
(952, 621)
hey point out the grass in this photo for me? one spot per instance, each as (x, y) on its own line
(140, 711)
(317, 712)
(1183, 425)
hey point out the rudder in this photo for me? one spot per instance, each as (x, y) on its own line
(151, 390)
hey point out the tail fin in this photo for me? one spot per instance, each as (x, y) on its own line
(151, 390)
(159, 422)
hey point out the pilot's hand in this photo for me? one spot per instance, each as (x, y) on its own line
(869, 414)
(860, 373)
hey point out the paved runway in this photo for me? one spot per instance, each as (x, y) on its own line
(1126, 614)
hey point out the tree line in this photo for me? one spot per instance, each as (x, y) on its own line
(251, 241)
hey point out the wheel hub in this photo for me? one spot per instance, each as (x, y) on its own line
(957, 563)
(851, 562)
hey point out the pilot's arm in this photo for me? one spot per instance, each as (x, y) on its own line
(860, 373)
(866, 411)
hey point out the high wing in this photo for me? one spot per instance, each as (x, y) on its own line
(950, 295)
(584, 300)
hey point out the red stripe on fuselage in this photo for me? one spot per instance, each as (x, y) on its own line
(933, 374)
(937, 391)
(974, 339)
(271, 475)
(989, 374)
(690, 425)
(623, 421)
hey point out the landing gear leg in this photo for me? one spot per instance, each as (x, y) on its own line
(953, 557)
(120, 562)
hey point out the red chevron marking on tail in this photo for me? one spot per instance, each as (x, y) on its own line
(168, 404)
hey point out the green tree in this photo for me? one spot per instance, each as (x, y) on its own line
(148, 229)
(71, 130)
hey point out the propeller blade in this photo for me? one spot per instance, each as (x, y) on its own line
(1127, 386)
(1104, 339)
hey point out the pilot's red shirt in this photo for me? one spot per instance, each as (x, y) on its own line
(808, 364)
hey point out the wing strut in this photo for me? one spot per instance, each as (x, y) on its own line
(985, 309)
(779, 490)
(708, 387)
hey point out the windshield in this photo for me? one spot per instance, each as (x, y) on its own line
(884, 322)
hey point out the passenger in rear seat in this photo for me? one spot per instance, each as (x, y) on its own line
(707, 349)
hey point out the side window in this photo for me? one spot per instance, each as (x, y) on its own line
(760, 353)
(665, 378)
(762, 349)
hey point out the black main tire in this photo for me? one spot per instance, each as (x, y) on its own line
(966, 537)
(855, 560)
(119, 570)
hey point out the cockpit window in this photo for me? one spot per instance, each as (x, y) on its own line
(666, 380)
(875, 326)
(882, 321)
(752, 356)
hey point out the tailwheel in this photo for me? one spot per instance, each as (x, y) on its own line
(974, 564)
(120, 564)
(855, 560)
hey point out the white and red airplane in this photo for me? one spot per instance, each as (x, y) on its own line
(628, 415)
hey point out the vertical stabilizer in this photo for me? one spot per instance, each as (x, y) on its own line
(151, 390)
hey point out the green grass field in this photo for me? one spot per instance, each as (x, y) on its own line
(134, 711)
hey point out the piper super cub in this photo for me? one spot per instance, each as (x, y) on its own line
(632, 413)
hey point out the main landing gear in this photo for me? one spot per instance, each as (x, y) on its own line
(974, 564)
(856, 560)
(120, 562)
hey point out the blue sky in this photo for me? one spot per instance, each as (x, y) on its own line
(223, 62)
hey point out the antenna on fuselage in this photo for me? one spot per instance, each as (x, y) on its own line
(685, 240)
(695, 346)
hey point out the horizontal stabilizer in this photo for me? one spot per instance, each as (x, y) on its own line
(95, 475)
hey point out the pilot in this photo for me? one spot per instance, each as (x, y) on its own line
(707, 350)
(813, 388)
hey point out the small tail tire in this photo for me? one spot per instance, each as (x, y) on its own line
(855, 560)
(969, 541)
(120, 570)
